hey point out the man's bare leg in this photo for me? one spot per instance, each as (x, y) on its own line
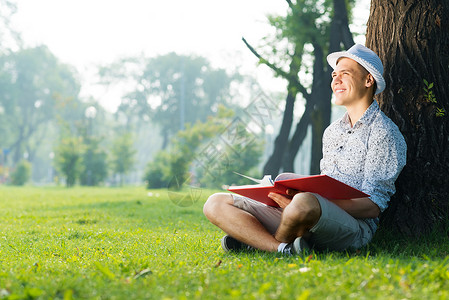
(298, 217)
(239, 224)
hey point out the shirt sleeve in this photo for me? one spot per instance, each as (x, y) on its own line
(385, 159)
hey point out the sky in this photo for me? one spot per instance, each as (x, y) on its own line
(87, 33)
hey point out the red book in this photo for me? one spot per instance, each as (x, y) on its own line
(323, 185)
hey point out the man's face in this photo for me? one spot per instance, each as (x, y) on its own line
(349, 82)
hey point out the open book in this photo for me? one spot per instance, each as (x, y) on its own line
(323, 185)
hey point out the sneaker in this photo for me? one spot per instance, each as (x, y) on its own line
(296, 247)
(228, 243)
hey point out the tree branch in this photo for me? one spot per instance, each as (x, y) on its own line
(290, 4)
(277, 70)
(291, 78)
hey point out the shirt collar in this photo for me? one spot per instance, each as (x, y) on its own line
(367, 117)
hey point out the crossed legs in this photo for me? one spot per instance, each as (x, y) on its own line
(297, 218)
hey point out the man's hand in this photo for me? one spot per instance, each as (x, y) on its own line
(281, 200)
(359, 208)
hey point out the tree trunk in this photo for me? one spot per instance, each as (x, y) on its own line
(318, 107)
(297, 138)
(274, 163)
(321, 116)
(165, 138)
(412, 40)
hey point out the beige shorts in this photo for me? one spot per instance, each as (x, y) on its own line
(335, 230)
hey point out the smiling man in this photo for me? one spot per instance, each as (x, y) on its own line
(363, 149)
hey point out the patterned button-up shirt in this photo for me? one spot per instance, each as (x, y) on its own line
(367, 156)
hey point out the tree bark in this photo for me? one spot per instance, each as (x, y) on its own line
(412, 40)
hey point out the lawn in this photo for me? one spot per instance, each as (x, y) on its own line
(131, 243)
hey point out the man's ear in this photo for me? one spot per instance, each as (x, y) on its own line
(369, 80)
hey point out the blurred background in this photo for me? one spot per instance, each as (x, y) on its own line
(165, 93)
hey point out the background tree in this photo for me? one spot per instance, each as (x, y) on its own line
(198, 155)
(311, 29)
(21, 173)
(68, 156)
(157, 171)
(32, 82)
(170, 90)
(122, 155)
(8, 35)
(94, 168)
(412, 39)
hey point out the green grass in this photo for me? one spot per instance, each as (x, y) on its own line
(110, 243)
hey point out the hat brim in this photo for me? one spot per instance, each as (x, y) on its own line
(333, 58)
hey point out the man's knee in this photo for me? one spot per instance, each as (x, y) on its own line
(214, 204)
(304, 209)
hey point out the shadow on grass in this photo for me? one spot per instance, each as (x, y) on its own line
(393, 244)
(386, 244)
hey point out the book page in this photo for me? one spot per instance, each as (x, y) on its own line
(265, 181)
(285, 176)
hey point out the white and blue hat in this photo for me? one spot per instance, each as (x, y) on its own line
(366, 58)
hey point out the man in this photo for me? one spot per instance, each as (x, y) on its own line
(363, 149)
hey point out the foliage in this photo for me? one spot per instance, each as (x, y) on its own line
(429, 96)
(242, 156)
(174, 165)
(199, 156)
(68, 156)
(122, 155)
(122, 244)
(22, 173)
(94, 163)
(32, 83)
(157, 171)
(170, 89)
(297, 52)
(8, 35)
(307, 23)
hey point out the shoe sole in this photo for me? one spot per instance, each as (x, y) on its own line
(299, 244)
(223, 244)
